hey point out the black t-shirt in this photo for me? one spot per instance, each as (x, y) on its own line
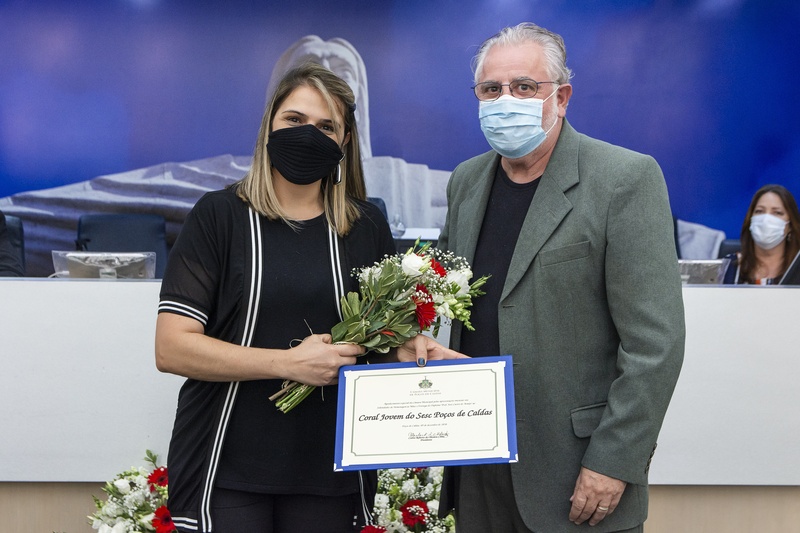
(505, 213)
(211, 276)
(298, 298)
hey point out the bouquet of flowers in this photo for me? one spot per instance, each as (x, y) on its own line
(398, 298)
(408, 500)
(136, 501)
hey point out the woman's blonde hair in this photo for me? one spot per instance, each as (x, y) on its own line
(256, 186)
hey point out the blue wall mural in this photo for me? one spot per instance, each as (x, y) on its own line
(96, 87)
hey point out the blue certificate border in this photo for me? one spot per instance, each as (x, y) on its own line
(511, 417)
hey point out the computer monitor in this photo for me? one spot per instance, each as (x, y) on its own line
(703, 271)
(105, 265)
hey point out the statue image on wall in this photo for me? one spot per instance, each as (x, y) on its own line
(414, 192)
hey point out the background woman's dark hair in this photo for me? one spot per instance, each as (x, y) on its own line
(748, 263)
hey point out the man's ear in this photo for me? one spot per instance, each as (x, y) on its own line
(564, 94)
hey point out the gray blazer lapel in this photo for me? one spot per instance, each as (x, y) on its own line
(473, 207)
(549, 207)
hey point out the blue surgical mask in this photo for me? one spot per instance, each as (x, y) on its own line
(513, 126)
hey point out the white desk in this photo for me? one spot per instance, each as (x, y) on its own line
(81, 397)
(82, 400)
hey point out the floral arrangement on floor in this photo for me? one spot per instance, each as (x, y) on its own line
(399, 297)
(408, 501)
(136, 501)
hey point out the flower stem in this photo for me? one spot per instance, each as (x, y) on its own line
(291, 395)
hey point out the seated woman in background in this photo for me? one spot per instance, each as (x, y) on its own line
(770, 253)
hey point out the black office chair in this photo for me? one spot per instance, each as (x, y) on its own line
(16, 235)
(124, 232)
(729, 246)
(380, 204)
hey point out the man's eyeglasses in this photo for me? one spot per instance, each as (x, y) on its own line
(520, 88)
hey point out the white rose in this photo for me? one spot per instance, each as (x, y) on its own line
(123, 485)
(119, 527)
(409, 486)
(460, 278)
(381, 501)
(135, 499)
(433, 507)
(104, 528)
(413, 265)
(397, 473)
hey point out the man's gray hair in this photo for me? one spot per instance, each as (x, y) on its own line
(555, 52)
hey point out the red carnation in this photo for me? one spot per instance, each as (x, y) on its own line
(373, 529)
(414, 512)
(425, 311)
(163, 521)
(438, 268)
(158, 477)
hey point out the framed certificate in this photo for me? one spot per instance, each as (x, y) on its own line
(454, 412)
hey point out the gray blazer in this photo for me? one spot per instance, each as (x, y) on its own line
(591, 312)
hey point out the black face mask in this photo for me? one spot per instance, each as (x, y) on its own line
(303, 154)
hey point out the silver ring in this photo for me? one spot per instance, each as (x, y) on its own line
(604, 509)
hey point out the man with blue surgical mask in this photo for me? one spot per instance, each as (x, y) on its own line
(585, 294)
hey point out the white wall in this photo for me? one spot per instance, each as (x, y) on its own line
(81, 398)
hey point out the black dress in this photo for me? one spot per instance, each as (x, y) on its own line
(260, 283)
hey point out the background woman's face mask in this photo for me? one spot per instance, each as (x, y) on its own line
(767, 230)
(303, 154)
(513, 126)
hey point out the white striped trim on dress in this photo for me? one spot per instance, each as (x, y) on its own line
(185, 523)
(233, 388)
(336, 266)
(338, 289)
(183, 309)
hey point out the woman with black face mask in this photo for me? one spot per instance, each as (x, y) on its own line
(251, 290)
